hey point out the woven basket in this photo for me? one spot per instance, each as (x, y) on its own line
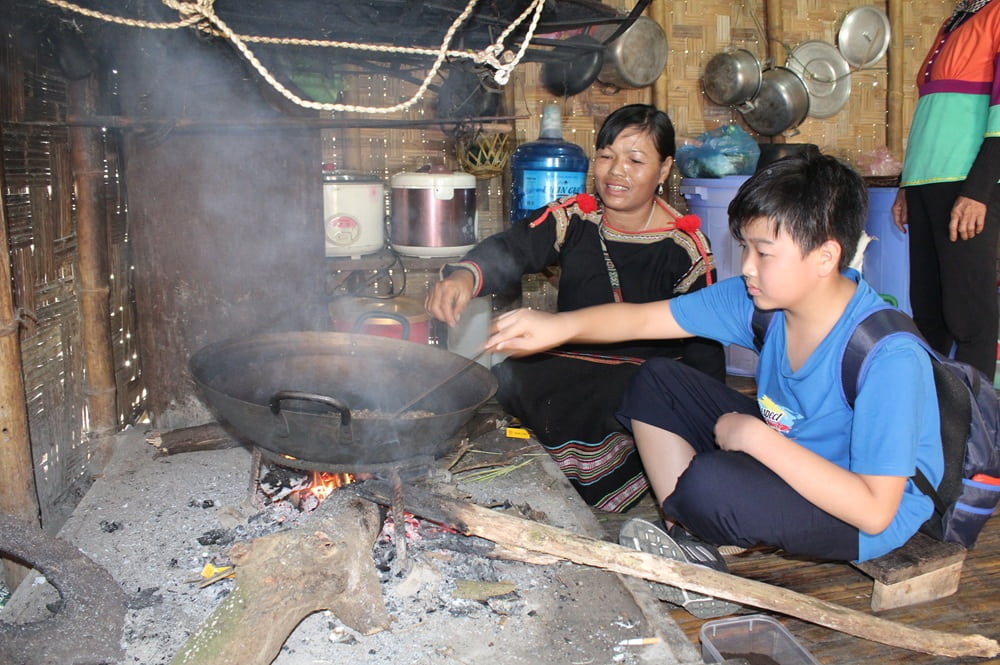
(484, 154)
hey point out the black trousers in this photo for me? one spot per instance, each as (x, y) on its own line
(953, 285)
(726, 497)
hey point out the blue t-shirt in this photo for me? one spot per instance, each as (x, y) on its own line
(894, 427)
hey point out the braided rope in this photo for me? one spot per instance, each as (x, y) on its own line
(200, 13)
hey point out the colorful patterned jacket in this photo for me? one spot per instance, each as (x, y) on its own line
(955, 134)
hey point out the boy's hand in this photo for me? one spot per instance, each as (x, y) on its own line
(526, 331)
(736, 431)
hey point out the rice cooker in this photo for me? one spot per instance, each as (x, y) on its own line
(353, 213)
(433, 214)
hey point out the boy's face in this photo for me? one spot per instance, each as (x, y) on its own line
(777, 275)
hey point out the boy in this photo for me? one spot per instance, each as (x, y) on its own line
(796, 469)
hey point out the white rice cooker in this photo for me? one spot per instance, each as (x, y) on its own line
(353, 213)
(433, 214)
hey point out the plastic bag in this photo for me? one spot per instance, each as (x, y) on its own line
(723, 151)
(880, 162)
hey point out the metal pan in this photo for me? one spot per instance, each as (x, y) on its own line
(332, 398)
(732, 78)
(826, 74)
(782, 103)
(863, 37)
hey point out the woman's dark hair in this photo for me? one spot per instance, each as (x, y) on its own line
(814, 197)
(646, 118)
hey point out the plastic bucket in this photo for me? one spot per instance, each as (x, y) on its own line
(709, 199)
(886, 264)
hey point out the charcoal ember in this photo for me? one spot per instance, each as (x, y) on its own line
(216, 537)
(278, 482)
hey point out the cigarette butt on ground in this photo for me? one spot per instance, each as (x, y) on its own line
(639, 641)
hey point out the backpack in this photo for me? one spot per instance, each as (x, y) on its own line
(970, 426)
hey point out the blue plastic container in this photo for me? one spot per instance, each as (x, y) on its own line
(886, 264)
(709, 199)
(542, 171)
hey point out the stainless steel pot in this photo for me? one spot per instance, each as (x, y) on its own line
(782, 103)
(636, 57)
(732, 78)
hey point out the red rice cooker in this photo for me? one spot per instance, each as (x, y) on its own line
(397, 318)
(433, 214)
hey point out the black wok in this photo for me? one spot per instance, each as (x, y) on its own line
(332, 398)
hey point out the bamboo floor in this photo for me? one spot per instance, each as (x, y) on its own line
(975, 608)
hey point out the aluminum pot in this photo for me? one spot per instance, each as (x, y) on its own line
(732, 78)
(636, 58)
(782, 103)
(331, 398)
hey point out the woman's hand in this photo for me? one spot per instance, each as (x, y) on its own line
(447, 299)
(899, 210)
(968, 216)
(523, 332)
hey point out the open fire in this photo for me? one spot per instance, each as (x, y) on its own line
(304, 489)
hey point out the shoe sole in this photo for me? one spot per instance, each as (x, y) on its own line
(646, 537)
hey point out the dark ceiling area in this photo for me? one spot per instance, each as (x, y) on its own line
(464, 88)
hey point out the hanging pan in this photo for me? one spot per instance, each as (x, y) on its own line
(863, 37)
(732, 78)
(826, 74)
(782, 103)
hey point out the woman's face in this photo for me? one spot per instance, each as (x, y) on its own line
(628, 171)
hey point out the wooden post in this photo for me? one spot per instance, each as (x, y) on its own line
(93, 279)
(17, 480)
(895, 75)
(661, 86)
(773, 33)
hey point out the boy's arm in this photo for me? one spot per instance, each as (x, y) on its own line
(867, 502)
(524, 331)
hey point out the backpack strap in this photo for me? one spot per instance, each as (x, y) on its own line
(869, 332)
(759, 323)
(876, 326)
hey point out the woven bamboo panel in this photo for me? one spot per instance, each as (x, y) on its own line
(37, 196)
(696, 30)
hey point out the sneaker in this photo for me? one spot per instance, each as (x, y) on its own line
(679, 545)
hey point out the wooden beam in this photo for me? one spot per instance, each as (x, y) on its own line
(661, 86)
(93, 285)
(514, 532)
(895, 83)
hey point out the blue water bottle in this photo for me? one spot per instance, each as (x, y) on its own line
(544, 170)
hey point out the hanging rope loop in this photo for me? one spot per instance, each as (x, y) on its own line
(200, 15)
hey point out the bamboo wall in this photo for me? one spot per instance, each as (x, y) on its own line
(39, 207)
(696, 30)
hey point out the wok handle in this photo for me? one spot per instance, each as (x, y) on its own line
(333, 403)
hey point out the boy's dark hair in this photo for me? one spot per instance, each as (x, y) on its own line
(814, 197)
(647, 118)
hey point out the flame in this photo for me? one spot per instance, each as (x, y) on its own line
(324, 483)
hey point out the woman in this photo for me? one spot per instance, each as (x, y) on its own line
(625, 245)
(949, 197)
